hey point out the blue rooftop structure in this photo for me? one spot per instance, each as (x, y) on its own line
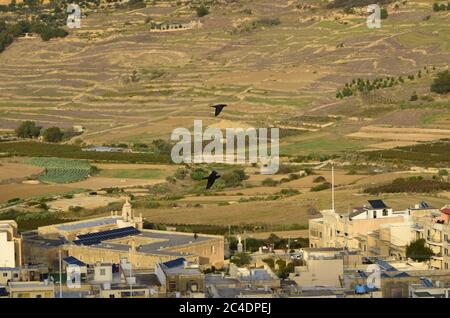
(98, 237)
(402, 274)
(426, 282)
(386, 266)
(175, 263)
(377, 204)
(73, 261)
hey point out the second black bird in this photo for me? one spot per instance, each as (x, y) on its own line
(211, 179)
(218, 109)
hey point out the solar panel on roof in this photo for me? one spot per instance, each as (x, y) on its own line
(426, 282)
(175, 263)
(377, 204)
(424, 205)
(73, 261)
(402, 274)
(98, 237)
(386, 266)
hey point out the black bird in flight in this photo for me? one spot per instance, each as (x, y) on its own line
(218, 109)
(211, 179)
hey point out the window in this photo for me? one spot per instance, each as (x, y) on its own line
(112, 296)
(385, 212)
(16, 275)
(172, 286)
(5, 274)
(102, 272)
(38, 296)
(192, 286)
(446, 266)
(374, 214)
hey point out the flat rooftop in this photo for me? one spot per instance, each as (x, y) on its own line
(165, 241)
(73, 226)
(31, 285)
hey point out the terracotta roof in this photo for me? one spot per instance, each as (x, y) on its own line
(445, 211)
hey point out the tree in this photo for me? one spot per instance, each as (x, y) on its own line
(28, 129)
(241, 259)
(53, 134)
(414, 97)
(418, 251)
(161, 147)
(441, 83)
(202, 11)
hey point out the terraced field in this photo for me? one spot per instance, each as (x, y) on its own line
(267, 76)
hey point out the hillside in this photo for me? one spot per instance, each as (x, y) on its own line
(127, 83)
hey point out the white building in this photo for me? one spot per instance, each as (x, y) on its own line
(10, 245)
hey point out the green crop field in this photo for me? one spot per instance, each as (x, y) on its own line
(132, 173)
(62, 170)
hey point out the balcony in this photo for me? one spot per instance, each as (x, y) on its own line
(433, 241)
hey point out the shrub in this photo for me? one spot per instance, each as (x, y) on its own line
(269, 182)
(181, 173)
(441, 84)
(202, 10)
(319, 179)
(198, 174)
(320, 187)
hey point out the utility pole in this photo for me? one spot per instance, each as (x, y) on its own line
(332, 186)
(60, 273)
(131, 283)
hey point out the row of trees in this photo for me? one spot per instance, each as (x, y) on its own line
(441, 7)
(29, 130)
(9, 31)
(410, 185)
(45, 20)
(365, 86)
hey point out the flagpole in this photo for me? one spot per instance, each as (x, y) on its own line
(60, 274)
(332, 186)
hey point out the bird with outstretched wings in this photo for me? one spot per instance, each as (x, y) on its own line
(211, 179)
(218, 109)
